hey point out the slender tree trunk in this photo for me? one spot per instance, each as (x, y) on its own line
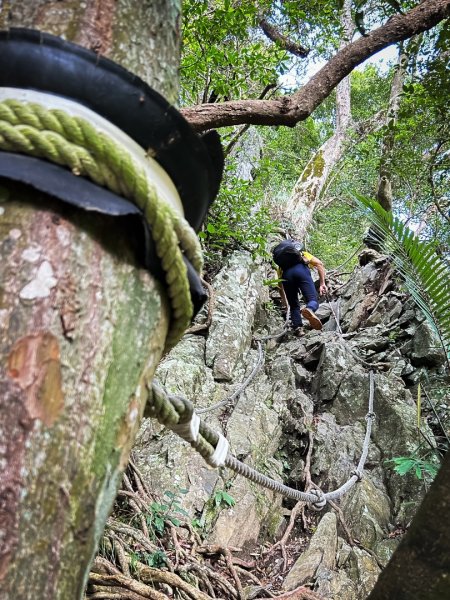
(384, 189)
(375, 236)
(81, 331)
(311, 182)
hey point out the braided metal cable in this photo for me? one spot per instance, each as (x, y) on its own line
(207, 440)
(73, 142)
(257, 477)
(274, 336)
(230, 399)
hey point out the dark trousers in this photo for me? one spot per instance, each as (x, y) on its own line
(298, 279)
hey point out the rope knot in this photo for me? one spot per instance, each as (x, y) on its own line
(188, 424)
(357, 473)
(370, 415)
(321, 501)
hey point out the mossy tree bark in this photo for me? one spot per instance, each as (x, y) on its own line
(82, 329)
(309, 186)
(384, 188)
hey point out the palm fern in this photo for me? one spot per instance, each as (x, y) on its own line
(425, 273)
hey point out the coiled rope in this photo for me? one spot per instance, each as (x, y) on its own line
(67, 140)
(178, 414)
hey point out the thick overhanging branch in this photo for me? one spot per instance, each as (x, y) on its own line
(283, 42)
(297, 107)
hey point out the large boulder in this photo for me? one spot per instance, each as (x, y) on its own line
(319, 556)
(238, 288)
(426, 347)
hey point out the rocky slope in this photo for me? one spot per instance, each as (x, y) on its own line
(310, 394)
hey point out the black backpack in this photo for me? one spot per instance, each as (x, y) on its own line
(287, 254)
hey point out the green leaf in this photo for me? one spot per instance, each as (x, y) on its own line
(422, 269)
(180, 510)
(404, 466)
(272, 282)
(228, 499)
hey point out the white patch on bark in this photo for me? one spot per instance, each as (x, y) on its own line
(15, 234)
(63, 236)
(133, 415)
(32, 254)
(41, 285)
(2, 210)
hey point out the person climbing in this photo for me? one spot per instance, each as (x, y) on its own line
(294, 268)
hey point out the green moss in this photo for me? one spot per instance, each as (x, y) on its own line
(125, 370)
(272, 522)
(314, 168)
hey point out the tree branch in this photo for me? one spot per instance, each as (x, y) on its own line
(289, 110)
(243, 129)
(283, 42)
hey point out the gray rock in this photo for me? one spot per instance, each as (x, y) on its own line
(352, 398)
(337, 449)
(280, 369)
(336, 585)
(318, 557)
(407, 316)
(335, 362)
(255, 506)
(325, 310)
(238, 288)
(167, 463)
(364, 570)
(343, 552)
(426, 349)
(386, 310)
(302, 376)
(395, 433)
(370, 340)
(367, 511)
(385, 548)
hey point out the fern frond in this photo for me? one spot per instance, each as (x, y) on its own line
(426, 275)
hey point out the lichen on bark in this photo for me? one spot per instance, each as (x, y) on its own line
(83, 328)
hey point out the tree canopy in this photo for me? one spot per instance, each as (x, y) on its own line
(247, 63)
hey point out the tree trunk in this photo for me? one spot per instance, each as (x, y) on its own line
(82, 330)
(384, 189)
(311, 182)
(375, 237)
(419, 569)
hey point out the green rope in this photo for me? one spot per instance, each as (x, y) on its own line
(73, 142)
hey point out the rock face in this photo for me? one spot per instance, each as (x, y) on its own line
(311, 389)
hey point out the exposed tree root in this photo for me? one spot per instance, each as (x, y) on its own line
(124, 585)
(139, 540)
(300, 506)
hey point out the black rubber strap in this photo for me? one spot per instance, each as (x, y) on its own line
(82, 193)
(34, 60)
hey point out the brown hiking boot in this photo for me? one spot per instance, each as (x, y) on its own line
(311, 317)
